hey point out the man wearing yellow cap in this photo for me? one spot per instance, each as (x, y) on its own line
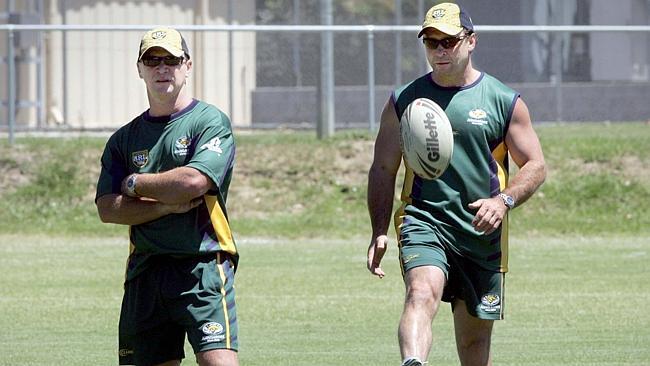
(453, 231)
(166, 175)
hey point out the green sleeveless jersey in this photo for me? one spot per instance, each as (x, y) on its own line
(200, 136)
(479, 114)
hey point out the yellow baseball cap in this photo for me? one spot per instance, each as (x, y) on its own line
(449, 18)
(168, 39)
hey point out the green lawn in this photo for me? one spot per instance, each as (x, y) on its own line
(290, 184)
(577, 294)
(570, 301)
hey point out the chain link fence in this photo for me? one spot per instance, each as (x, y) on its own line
(278, 73)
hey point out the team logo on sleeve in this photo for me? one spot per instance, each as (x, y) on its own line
(140, 158)
(213, 145)
(182, 146)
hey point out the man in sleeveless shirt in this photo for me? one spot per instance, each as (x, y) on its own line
(166, 175)
(453, 231)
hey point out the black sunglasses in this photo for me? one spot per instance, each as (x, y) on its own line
(447, 43)
(167, 60)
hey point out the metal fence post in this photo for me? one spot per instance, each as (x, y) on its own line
(231, 60)
(11, 93)
(557, 66)
(371, 77)
(325, 126)
(398, 44)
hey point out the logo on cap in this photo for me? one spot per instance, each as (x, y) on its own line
(158, 35)
(438, 13)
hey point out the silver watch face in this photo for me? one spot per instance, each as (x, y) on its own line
(508, 200)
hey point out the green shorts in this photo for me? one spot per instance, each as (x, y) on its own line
(421, 244)
(175, 297)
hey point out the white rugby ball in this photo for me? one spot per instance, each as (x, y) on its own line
(426, 138)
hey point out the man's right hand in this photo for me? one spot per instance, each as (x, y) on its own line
(184, 207)
(376, 251)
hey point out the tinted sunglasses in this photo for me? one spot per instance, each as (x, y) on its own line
(447, 43)
(167, 60)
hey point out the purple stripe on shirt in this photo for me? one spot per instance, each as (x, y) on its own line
(229, 163)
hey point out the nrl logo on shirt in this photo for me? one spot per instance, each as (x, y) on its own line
(140, 158)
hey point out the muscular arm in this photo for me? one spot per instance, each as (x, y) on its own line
(526, 151)
(174, 191)
(125, 210)
(385, 164)
(381, 185)
(174, 186)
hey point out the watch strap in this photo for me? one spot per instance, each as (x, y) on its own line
(130, 185)
(507, 200)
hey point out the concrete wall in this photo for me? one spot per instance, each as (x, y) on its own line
(620, 101)
(26, 86)
(91, 79)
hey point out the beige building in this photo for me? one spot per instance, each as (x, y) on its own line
(88, 79)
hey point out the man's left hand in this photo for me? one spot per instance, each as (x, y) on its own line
(489, 215)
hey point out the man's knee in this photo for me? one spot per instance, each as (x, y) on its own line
(424, 286)
(474, 343)
(421, 294)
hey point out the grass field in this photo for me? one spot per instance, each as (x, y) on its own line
(577, 292)
(570, 301)
(294, 185)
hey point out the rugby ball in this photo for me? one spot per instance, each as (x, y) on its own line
(426, 138)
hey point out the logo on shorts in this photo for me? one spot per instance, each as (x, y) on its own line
(125, 352)
(212, 328)
(491, 303)
(409, 258)
(213, 333)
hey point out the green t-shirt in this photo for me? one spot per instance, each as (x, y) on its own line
(479, 114)
(199, 136)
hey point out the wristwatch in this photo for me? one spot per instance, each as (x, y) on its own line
(507, 200)
(130, 185)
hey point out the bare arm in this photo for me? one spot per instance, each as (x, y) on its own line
(381, 185)
(125, 210)
(174, 191)
(175, 186)
(526, 151)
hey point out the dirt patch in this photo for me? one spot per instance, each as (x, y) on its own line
(628, 167)
(13, 168)
(288, 179)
